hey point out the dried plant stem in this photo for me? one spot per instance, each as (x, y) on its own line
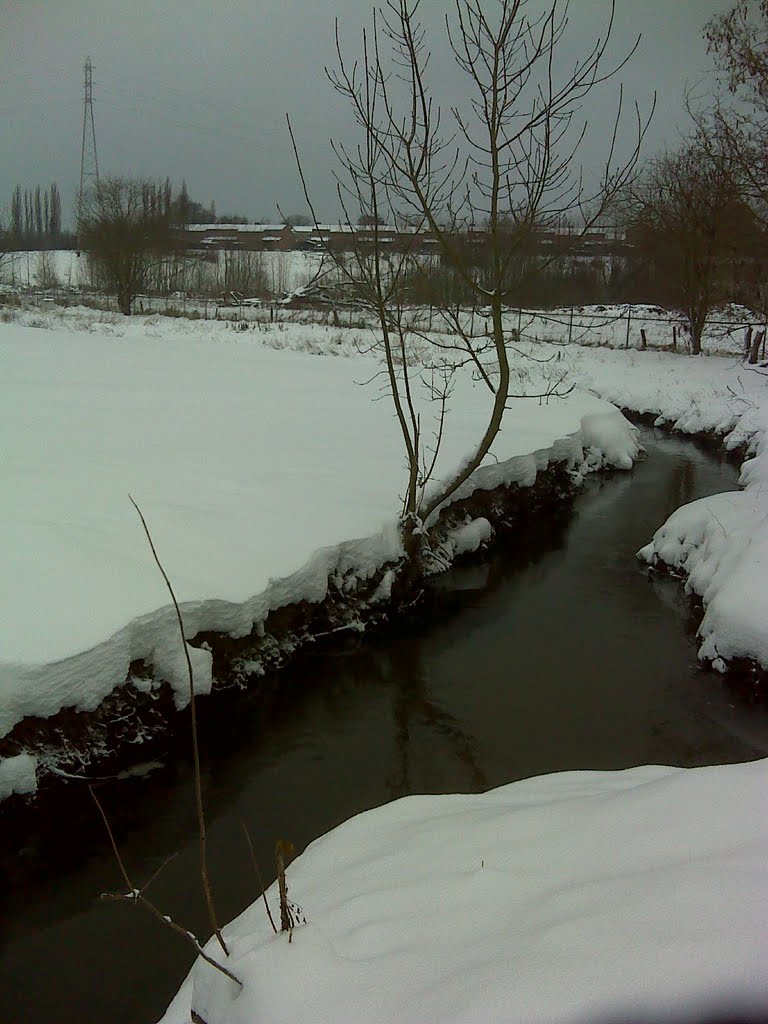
(258, 876)
(136, 895)
(283, 852)
(195, 747)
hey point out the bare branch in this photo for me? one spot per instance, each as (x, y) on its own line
(195, 744)
(136, 895)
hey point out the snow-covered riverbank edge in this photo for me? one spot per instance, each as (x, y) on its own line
(254, 468)
(73, 744)
(572, 898)
(584, 896)
(719, 544)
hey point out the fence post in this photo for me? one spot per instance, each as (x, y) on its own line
(747, 341)
(674, 337)
(643, 339)
(754, 352)
(570, 327)
(629, 321)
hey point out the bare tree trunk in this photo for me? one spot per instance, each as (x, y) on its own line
(124, 301)
(754, 352)
(747, 342)
(507, 171)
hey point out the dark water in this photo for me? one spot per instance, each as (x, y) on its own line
(562, 656)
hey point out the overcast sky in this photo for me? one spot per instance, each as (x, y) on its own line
(198, 89)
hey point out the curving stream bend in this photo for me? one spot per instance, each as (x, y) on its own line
(563, 655)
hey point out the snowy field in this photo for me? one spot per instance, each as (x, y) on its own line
(261, 474)
(263, 469)
(67, 269)
(630, 897)
(39, 277)
(257, 462)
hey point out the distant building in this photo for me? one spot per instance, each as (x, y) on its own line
(344, 237)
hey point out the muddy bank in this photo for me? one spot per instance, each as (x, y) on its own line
(139, 720)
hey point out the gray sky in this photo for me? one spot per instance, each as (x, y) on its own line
(198, 89)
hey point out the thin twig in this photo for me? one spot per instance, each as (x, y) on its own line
(258, 876)
(136, 895)
(195, 747)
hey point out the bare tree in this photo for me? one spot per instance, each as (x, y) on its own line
(501, 167)
(687, 218)
(738, 40)
(6, 245)
(55, 212)
(126, 232)
(17, 215)
(38, 214)
(45, 270)
(29, 221)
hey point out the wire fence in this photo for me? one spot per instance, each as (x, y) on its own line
(637, 326)
(624, 326)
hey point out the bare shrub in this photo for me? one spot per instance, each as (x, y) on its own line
(45, 271)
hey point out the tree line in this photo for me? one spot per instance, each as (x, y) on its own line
(694, 216)
(35, 218)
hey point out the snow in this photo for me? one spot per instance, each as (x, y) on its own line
(264, 471)
(602, 434)
(470, 536)
(619, 326)
(719, 543)
(261, 474)
(581, 896)
(67, 269)
(23, 269)
(17, 775)
(287, 273)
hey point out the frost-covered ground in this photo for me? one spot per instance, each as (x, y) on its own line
(262, 474)
(575, 898)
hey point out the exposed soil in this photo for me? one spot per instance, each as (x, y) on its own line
(138, 722)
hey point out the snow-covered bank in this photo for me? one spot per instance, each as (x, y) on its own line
(719, 543)
(577, 897)
(264, 477)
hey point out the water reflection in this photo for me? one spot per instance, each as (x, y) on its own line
(557, 654)
(413, 707)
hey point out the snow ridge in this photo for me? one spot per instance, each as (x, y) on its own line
(572, 897)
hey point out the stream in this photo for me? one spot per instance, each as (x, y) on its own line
(561, 654)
